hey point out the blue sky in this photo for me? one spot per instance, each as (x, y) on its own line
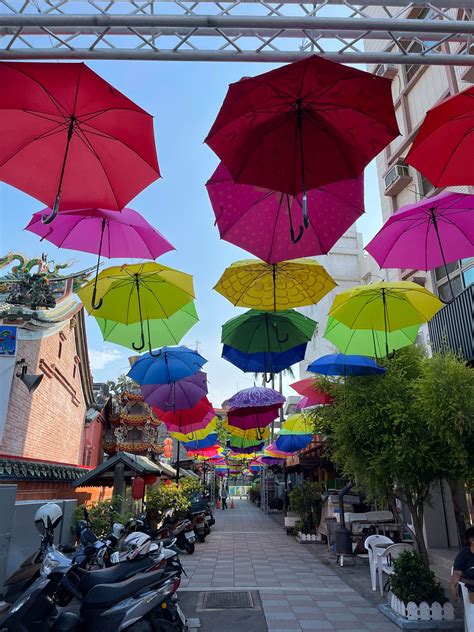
(184, 98)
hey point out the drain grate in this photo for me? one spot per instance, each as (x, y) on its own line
(224, 600)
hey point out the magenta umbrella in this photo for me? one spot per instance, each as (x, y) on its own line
(431, 233)
(261, 221)
(179, 395)
(254, 417)
(104, 233)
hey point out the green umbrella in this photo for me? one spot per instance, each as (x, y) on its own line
(370, 342)
(271, 332)
(158, 332)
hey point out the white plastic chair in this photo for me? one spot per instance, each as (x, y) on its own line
(385, 559)
(369, 543)
(468, 609)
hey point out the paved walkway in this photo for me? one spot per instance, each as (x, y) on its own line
(247, 550)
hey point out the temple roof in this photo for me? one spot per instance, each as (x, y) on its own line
(14, 469)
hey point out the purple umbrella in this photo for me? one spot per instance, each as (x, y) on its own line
(261, 221)
(179, 395)
(254, 417)
(431, 233)
(255, 396)
(102, 232)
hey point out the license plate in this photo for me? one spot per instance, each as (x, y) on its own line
(190, 536)
(181, 615)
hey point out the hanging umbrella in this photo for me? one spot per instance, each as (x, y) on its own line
(303, 403)
(369, 342)
(159, 332)
(170, 364)
(256, 331)
(303, 125)
(201, 444)
(264, 362)
(261, 221)
(345, 365)
(187, 419)
(104, 233)
(280, 286)
(385, 306)
(138, 292)
(184, 393)
(242, 442)
(251, 449)
(255, 396)
(205, 453)
(293, 442)
(251, 433)
(297, 424)
(255, 467)
(253, 417)
(270, 460)
(431, 233)
(309, 388)
(444, 140)
(196, 434)
(70, 139)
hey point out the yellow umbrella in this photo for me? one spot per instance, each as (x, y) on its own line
(197, 434)
(278, 286)
(250, 433)
(385, 306)
(297, 424)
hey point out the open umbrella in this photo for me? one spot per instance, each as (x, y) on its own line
(170, 364)
(196, 434)
(104, 233)
(187, 419)
(200, 444)
(70, 139)
(431, 233)
(178, 395)
(308, 387)
(444, 140)
(369, 342)
(253, 417)
(205, 453)
(264, 362)
(255, 396)
(385, 306)
(257, 434)
(137, 293)
(345, 365)
(159, 332)
(261, 221)
(257, 330)
(242, 442)
(292, 442)
(303, 125)
(279, 286)
(297, 424)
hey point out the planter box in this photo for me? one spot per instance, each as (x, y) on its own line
(423, 611)
(422, 624)
(308, 538)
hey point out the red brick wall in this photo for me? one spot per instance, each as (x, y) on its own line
(92, 444)
(49, 423)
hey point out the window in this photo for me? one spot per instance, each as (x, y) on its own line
(440, 273)
(461, 275)
(425, 185)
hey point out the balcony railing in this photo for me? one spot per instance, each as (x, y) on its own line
(453, 326)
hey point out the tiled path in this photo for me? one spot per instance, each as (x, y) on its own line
(248, 550)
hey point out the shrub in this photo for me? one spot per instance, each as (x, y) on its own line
(190, 486)
(305, 500)
(254, 493)
(167, 497)
(102, 515)
(412, 580)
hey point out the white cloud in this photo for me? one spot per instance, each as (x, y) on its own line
(100, 358)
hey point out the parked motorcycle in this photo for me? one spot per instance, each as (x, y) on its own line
(182, 531)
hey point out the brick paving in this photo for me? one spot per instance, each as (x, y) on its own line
(247, 550)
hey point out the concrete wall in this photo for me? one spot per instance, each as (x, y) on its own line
(18, 535)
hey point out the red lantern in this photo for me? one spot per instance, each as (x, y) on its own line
(168, 452)
(167, 482)
(149, 479)
(168, 441)
(138, 488)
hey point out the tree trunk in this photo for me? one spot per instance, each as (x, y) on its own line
(417, 511)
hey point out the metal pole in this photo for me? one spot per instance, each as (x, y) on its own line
(177, 464)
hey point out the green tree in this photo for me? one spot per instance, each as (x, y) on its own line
(398, 434)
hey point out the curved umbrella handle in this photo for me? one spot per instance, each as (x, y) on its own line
(99, 303)
(47, 219)
(267, 381)
(299, 235)
(142, 342)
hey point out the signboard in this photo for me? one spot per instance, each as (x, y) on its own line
(7, 340)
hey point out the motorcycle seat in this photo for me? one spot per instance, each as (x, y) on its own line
(112, 575)
(106, 595)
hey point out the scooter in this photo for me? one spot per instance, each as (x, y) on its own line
(182, 531)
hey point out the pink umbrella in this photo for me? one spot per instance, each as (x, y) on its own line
(308, 387)
(431, 233)
(261, 221)
(254, 417)
(102, 232)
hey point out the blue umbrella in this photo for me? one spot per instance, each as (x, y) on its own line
(263, 361)
(200, 444)
(346, 365)
(168, 365)
(293, 442)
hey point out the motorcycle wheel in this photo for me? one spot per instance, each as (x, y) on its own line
(189, 548)
(201, 537)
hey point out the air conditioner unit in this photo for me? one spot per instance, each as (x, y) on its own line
(386, 70)
(396, 179)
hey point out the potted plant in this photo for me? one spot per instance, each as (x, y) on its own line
(416, 595)
(305, 500)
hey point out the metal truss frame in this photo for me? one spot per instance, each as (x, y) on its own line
(264, 489)
(369, 31)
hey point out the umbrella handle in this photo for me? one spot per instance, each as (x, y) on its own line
(47, 219)
(299, 235)
(142, 342)
(95, 305)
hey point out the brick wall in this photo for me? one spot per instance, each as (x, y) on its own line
(40, 490)
(49, 423)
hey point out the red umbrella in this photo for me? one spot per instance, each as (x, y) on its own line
(72, 140)
(189, 417)
(445, 141)
(309, 388)
(303, 125)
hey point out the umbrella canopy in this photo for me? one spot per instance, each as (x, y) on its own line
(303, 403)
(257, 330)
(249, 450)
(257, 434)
(241, 442)
(385, 306)
(200, 444)
(309, 388)
(269, 126)
(264, 362)
(431, 233)
(345, 365)
(205, 453)
(70, 139)
(280, 286)
(369, 342)
(159, 332)
(169, 365)
(136, 293)
(196, 434)
(188, 419)
(297, 424)
(262, 221)
(293, 442)
(255, 396)
(254, 417)
(270, 460)
(444, 140)
(184, 393)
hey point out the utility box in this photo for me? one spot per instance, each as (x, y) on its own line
(7, 517)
